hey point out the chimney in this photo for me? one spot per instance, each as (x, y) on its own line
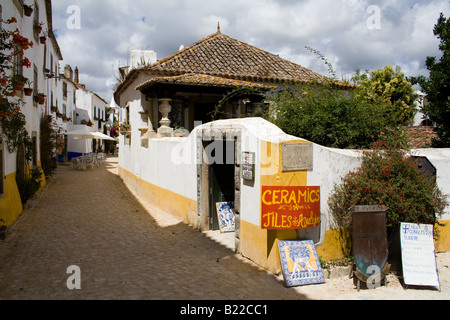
(68, 73)
(77, 79)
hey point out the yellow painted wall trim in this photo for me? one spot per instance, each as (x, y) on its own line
(10, 203)
(443, 241)
(261, 246)
(332, 248)
(177, 205)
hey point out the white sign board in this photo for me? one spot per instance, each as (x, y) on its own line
(418, 255)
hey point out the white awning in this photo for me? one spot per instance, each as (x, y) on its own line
(83, 135)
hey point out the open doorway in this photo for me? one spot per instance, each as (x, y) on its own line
(221, 179)
(219, 176)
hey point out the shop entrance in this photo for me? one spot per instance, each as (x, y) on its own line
(219, 181)
(221, 178)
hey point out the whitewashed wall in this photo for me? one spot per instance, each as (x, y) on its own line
(170, 163)
(440, 158)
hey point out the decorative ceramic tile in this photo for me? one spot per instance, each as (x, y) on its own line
(226, 216)
(300, 263)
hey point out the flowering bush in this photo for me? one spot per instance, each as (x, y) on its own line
(388, 176)
(12, 44)
(125, 126)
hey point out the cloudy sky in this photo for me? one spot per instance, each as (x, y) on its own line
(96, 36)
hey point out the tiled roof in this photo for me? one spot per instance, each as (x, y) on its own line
(420, 137)
(196, 79)
(223, 56)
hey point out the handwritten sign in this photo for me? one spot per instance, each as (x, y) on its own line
(290, 208)
(418, 255)
(300, 263)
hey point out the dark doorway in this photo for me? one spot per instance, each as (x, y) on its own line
(203, 112)
(221, 177)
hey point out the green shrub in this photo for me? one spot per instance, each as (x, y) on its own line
(29, 184)
(388, 176)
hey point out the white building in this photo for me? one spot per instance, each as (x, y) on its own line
(53, 93)
(44, 57)
(188, 176)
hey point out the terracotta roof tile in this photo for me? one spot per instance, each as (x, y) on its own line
(420, 137)
(223, 56)
(201, 80)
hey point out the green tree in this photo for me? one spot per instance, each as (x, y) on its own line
(331, 117)
(437, 85)
(388, 86)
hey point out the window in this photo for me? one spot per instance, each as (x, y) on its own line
(35, 83)
(65, 90)
(51, 63)
(127, 115)
(36, 20)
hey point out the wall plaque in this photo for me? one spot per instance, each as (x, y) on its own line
(248, 166)
(297, 156)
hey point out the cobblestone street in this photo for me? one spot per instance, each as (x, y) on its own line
(126, 249)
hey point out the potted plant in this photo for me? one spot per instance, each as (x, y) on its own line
(179, 131)
(124, 128)
(38, 27)
(54, 109)
(28, 10)
(90, 123)
(39, 98)
(43, 37)
(19, 82)
(28, 91)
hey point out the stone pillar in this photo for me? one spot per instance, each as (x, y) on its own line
(149, 133)
(165, 131)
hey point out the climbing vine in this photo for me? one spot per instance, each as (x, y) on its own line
(238, 93)
(12, 121)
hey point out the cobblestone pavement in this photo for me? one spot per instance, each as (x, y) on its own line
(91, 220)
(128, 250)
